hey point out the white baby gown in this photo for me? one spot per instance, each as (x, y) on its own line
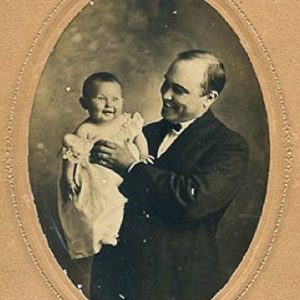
(95, 215)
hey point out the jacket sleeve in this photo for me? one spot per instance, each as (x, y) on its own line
(208, 188)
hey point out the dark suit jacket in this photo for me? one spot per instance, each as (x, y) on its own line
(167, 247)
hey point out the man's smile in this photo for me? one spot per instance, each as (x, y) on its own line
(169, 105)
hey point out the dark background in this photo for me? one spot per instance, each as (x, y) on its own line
(137, 40)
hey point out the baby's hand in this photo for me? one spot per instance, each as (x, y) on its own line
(148, 160)
(73, 190)
(69, 190)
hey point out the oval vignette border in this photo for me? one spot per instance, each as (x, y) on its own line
(252, 41)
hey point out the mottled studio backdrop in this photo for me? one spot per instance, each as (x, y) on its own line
(136, 40)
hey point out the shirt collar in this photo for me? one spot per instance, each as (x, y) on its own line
(184, 125)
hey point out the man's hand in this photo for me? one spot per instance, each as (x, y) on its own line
(112, 156)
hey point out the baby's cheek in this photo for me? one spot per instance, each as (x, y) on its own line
(119, 110)
(99, 106)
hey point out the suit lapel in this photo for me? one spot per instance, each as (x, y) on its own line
(190, 135)
(155, 136)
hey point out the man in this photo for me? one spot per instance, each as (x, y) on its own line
(167, 248)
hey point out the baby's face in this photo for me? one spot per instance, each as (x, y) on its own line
(105, 102)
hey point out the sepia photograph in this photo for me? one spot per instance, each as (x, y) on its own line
(149, 150)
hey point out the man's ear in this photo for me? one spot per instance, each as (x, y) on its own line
(83, 103)
(213, 96)
(209, 99)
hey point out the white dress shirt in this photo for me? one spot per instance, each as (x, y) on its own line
(171, 137)
(167, 141)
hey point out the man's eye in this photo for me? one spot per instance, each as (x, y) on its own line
(116, 99)
(178, 91)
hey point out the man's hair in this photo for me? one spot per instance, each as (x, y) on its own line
(214, 77)
(100, 77)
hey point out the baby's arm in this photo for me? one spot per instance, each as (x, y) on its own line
(142, 145)
(69, 186)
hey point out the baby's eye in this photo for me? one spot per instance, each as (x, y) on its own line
(101, 98)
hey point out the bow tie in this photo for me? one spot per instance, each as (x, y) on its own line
(174, 126)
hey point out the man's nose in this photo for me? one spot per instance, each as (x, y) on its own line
(167, 94)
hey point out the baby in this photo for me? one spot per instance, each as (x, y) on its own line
(90, 205)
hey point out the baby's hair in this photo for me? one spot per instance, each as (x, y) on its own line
(100, 76)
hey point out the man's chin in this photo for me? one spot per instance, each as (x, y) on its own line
(169, 116)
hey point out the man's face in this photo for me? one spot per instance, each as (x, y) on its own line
(182, 95)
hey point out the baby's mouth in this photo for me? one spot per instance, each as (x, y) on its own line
(108, 111)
